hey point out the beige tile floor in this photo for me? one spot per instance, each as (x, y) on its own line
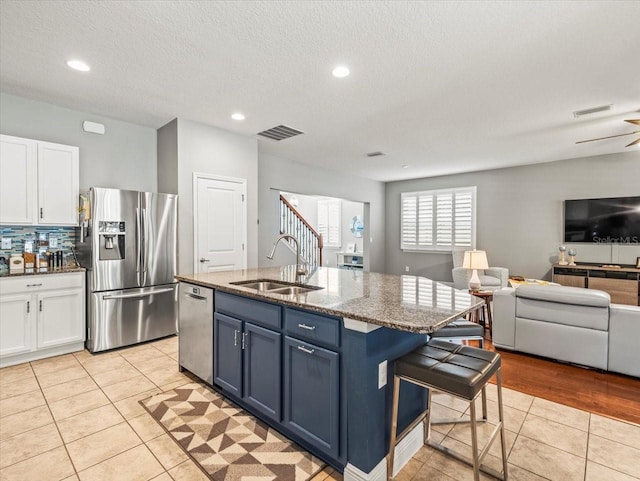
(77, 417)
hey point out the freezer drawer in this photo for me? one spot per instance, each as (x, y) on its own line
(129, 316)
(196, 331)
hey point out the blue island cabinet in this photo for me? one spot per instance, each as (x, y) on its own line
(311, 387)
(248, 357)
(314, 378)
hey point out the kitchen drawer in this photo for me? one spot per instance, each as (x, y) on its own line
(312, 327)
(41, 282)
(258, 312)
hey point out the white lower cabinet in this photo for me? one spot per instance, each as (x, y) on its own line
(41, 316)
(15, 324)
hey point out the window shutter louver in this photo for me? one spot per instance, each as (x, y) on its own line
(329, 222)
(463, 216)
(438, 220)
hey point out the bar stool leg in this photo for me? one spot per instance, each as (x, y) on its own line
(484, 403)
(474, 442)
(427, 418)
(501, 418)
(394, 427)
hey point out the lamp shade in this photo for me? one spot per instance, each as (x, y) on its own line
(475, 260)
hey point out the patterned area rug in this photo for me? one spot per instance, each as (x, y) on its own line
(225, 441)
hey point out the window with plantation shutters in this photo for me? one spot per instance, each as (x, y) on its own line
(438, 219)
(329, 222)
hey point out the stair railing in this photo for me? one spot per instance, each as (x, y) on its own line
(293, 223)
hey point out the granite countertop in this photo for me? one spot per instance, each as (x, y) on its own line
(64, 270)
(407, 303)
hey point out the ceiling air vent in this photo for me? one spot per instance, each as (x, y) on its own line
(375, 154)
(593, 110)
(280, 132)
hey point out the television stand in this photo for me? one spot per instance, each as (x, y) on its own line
(621, 282)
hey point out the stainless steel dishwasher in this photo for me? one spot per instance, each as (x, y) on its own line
(196, 331)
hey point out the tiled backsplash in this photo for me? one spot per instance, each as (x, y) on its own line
(65, 237)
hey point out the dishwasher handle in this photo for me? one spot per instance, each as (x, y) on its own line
(196, 297)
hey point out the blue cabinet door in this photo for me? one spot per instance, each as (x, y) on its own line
(311, 390)
(227, 358)
(262, 370)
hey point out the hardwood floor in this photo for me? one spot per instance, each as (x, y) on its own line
(608, 394)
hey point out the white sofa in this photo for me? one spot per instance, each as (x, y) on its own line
(570, 324)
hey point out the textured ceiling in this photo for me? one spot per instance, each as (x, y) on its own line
(443, 87)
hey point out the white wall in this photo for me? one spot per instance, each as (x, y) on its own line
(168, 158)
(123, 158)
(277, 174)
(519, 213)
(208, 150)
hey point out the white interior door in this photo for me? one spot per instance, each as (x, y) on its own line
(219, 224)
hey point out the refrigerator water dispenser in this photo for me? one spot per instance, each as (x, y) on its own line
(112, 240)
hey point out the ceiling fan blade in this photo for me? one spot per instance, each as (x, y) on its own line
(634, 121)
(608, 137)
(635, 142)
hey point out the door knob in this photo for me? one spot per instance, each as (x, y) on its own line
(203, 260)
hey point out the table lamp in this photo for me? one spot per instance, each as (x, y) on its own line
(475, 260)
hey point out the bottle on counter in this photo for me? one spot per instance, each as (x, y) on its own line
(41, 262)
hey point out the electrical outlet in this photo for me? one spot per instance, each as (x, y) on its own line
(6, 242)
(406, 268)
(53, 241)
(382, 374)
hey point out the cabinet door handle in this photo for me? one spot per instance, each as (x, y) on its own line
(34, 285)
(28, 307)
(41, 213)
(235, 338)
(304, 349)
(244, 336)
(308, 328)
(40, 306)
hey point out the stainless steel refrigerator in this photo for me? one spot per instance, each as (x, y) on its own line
(129, 250)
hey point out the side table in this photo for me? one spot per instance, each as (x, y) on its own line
(483, 316)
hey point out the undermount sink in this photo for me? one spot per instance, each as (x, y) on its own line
(261, 285)
(293, 290)
(276, 287)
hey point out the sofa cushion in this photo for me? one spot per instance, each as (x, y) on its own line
(565, 343)
(565, 295)
(567, 314)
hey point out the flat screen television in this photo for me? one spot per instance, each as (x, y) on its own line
(602, 221)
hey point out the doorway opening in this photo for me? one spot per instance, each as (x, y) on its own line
(332, 231)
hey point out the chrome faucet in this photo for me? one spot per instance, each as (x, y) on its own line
(300, 271)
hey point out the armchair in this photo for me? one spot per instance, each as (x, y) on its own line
(491, 279)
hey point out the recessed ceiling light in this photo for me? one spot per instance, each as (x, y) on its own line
(340, 71)
(405, 166)
(237, 116)
(78, 65)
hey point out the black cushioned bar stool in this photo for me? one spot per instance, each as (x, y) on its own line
(460, 330)
(463, 372)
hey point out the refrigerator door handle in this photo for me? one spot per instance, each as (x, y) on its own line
(145, 243)
(138, 244)
(139, 294)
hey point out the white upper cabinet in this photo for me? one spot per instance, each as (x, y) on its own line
(39, 182)
(58, 184)
(17, 180)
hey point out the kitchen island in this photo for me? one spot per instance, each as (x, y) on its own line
(312, 355)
